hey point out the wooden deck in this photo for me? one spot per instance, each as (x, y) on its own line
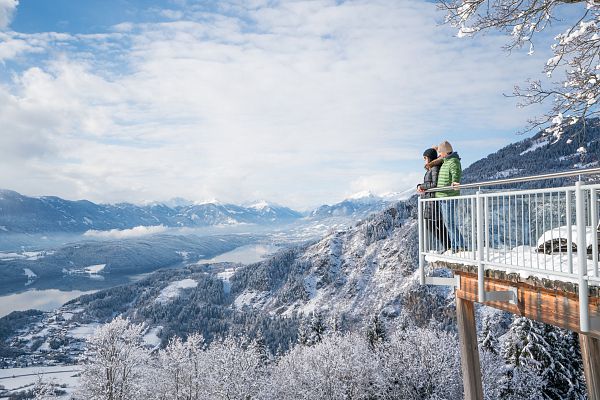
(552, 302)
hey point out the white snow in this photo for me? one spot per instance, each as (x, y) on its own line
(3, 228)
(151, 338)
(10, 256)
(523, 260)
(173, 290)
(225, 276)
(30, 274)
(260, 205)
(536, 144)
(562, 233)
(95, 269)
(505, 173)
(251, 298)
(83, 331)
(23, 378)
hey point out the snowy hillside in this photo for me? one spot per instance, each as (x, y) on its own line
(541, 154)
(350, 275)
(359, 205)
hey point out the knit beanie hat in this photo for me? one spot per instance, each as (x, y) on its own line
(445, 147)
(431, 154)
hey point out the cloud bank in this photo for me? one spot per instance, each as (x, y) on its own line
(302, 103)
(137, 231)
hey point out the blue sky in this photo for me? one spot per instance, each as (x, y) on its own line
(300, 102)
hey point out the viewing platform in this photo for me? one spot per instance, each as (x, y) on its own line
(533, 253)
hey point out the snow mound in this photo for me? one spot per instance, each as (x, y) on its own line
(174, 289)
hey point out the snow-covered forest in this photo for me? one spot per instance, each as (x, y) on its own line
(528, 361)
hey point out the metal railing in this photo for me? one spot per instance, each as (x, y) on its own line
(550, 233)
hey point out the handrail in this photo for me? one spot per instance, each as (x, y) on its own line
(589, 171)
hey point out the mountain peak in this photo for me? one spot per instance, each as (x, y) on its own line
(365, 194)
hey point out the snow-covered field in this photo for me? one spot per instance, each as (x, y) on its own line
(174, 289)
(95, 269)
(17, 379)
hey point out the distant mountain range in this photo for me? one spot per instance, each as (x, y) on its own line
(31, 215)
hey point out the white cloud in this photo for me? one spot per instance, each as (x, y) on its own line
(7, 10)
(126, 233)
(300, 103)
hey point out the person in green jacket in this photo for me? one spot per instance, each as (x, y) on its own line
(449, 175)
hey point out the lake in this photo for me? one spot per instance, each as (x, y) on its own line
(45, 300)
(50, 299)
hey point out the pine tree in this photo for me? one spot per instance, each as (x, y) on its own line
(376, 331)
(488, 340)
(547, 351)
(261, 346)
(304, 333)
(317, 328)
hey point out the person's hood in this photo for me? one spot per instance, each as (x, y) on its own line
(452, 155)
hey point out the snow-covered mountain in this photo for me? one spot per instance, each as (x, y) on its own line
(541, 154)
(358, 205)
(22, 214)
(350, 275)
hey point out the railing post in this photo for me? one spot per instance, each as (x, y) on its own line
(474, 228)
(480, 248)
(421, 243)
(580, 214)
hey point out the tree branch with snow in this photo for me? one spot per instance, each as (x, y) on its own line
(576, 51)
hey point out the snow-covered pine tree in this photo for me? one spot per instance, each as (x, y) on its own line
(260, 345)
(376, 331)
(571, 382)
(488, 340)
(317, 327)
(304, 332)
(543, 349)
(116, 363)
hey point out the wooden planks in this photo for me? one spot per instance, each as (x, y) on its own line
(553, 307)
(590, 353)
(471, 370)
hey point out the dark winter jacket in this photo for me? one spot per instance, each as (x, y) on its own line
(429, 181)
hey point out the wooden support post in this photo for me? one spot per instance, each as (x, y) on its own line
(590, 352)
(469, 352)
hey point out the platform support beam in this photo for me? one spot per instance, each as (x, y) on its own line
(469, 352)
(590, 353)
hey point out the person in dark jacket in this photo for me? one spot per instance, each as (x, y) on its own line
(432, 214)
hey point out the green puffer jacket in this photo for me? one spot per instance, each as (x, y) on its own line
(450, 171)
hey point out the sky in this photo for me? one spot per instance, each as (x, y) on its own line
(298, 102)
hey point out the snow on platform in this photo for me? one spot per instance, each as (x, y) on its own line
(525, 261)
(173, 290)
